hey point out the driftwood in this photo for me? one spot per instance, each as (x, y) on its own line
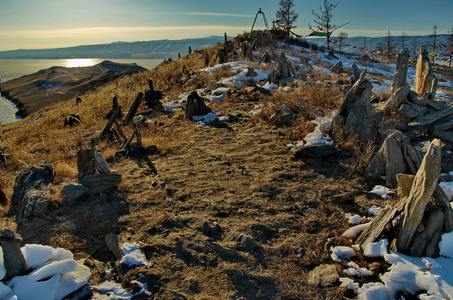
(419, 221)
(133, 109)
(129, 141)
(105, 132)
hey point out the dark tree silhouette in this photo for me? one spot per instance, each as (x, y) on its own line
(286, 16)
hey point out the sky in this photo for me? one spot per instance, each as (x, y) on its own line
(37, 24)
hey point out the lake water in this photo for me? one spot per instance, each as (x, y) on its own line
(15, 68)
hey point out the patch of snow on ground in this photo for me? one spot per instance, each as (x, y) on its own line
(206, 119)
(318, 137)
(353, 219)
(356, 271)
(354, 231)
(407, 274)
(381, 191)
(341, 253)
(374, 210)
(133, 256)
(56, 275)
(378, 249)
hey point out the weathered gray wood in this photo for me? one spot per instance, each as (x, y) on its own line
(442, 201)
(443, 126)
(433, 248)
(120, 130)
(405, 182)
(446, 136)
(402, 65)
(435, 104)
(425, 80)
(13, 259)
(133, 109)
(377, 226)
(411, 111)
(432, 117)
(394, 160)
(421, 240)
(425, 183)
(129, 141)
(104, 133)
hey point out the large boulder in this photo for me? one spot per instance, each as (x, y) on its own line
(31, 194)
(354, 119)
(195, 106)
(425, 80)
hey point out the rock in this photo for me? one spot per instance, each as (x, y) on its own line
(445, 136)
(251, 72)
(408, 112)
(206, 59)
(13, 259)
(266, 58)
(139, 120)
(72, 120)
(285, 67)
(355, 73)
(354, 119)
(402, 65)
(337, 68)
(398, 97)
(435, 104)
(101, 163)
(31, 194)
(111, 241)
(195, 106)
(323, 275)
(73, 191)
(99, 183)
(425, 80)
(7, 233)
(443, 126)
(396, 156)
(247, 243)
(84, 156)
(222, 55)
(432, 117)
(206, 228)
(247, 51)
(304, 69)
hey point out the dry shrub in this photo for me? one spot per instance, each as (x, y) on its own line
(301, 130)
(63, 171)
(362, 155)
(222, 73)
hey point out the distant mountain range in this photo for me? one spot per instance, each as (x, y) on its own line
(151, 49)
(412, 43)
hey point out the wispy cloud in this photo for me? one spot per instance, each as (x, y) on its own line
(214, 14)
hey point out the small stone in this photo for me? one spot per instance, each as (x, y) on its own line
(206, 228)
(247, 243)
(8, 233)
(73, 191)
(323, 275)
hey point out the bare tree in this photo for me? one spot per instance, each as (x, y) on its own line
(403, 39)
(340, 38)
(323, 21)
(286, 16)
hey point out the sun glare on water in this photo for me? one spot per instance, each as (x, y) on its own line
(80, 62)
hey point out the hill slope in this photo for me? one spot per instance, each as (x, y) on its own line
(146, 49)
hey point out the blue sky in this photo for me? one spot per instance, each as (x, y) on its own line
(31, 24)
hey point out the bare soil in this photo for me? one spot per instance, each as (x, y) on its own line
(241, 179)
